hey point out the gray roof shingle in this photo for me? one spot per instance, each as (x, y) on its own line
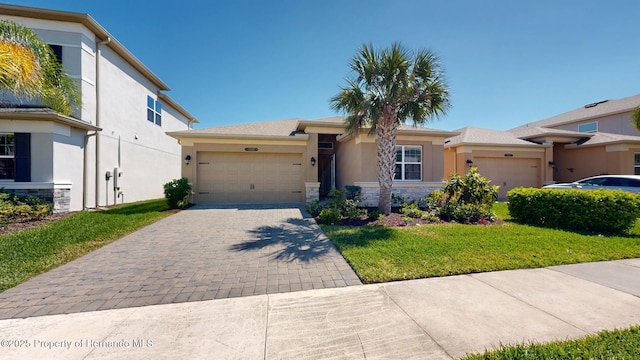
(481, 136)
(590, 111)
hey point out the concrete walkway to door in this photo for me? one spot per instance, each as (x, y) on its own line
(204, 253)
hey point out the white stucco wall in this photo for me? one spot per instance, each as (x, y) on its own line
(68, 166)
(148, 157)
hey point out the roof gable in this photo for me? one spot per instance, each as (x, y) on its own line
(266, 128)
(590, 111)
(479, 136)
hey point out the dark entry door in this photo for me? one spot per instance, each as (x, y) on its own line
(325, 173)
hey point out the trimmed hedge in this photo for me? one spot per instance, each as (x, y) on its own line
(600, 211)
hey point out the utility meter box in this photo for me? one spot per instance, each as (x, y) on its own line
(117, 173)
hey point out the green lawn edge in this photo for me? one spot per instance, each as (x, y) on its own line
(607, 344)
(382, 254)
(29, 252)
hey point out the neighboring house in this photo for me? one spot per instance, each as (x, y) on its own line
(118, 134)
(300, 160)
(595, 139)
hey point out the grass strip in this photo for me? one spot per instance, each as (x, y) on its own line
(26, 253)
(380, 254)
(607, 344)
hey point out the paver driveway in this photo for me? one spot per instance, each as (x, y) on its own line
(202, 253)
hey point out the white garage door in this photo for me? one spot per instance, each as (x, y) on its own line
(508, 173)
(249, 178)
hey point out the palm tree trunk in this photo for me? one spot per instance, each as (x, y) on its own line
(386, 131)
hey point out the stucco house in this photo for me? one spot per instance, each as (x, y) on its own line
(595, 139)
(297, 160)
(114, 148)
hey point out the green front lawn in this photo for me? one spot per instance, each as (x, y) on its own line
(616, 344)
(380, 254)
(29, 252)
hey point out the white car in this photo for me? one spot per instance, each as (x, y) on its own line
(609, 182)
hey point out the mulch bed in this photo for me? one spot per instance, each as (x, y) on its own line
(395, 218)
(26, 223)
(21, 224)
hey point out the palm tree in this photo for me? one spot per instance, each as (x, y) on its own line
(30, 70)
(390, 87)
(635, 117)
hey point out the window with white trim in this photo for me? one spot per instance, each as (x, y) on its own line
(7, 157)
(588, 127)
(636, 164)
(408, 163)
(154, 111)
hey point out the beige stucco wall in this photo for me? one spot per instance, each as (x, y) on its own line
(502, 165)
(578, 163)
(358, 160)
(615, 124)
(193, 148)
(348, 162)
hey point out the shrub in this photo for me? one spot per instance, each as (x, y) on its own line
(468, 198)
(314, 208)
(177, 192)
(411, 210)
(13, 207)
(352, 211)
(336, 194)
(335, 199)
(397, 200)
(375, 215)
(601, 211)
(330, 215)
(435, 200)
(429, 216)
(352, 192)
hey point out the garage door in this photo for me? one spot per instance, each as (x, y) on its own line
(508, 173)
(249, 178)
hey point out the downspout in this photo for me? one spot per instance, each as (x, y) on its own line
(85, 173)
(98, 56)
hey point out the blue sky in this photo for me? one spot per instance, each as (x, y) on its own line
(507, 62)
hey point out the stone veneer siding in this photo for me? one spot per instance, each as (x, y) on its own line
(312, 190)
(60, 198)
(409, 191)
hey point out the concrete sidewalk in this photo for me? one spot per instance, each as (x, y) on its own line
(437, 318)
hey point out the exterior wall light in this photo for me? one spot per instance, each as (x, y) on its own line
(552, 164)
(187, 159)
(313, 161)
(470, 163)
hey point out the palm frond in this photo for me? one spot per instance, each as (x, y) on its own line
(29, 69)
(635, 117)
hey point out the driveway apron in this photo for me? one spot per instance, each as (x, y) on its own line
(204, 253)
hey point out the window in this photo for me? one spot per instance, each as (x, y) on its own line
(636, 165)
(154, 111)
(588, 127)
(7, 157)
(408, 163)
(57, 50)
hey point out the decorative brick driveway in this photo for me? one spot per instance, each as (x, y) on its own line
(202, 253)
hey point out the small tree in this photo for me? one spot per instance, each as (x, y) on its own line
(390, 87)
(469, 198)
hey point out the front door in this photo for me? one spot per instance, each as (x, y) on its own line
(326, 173)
